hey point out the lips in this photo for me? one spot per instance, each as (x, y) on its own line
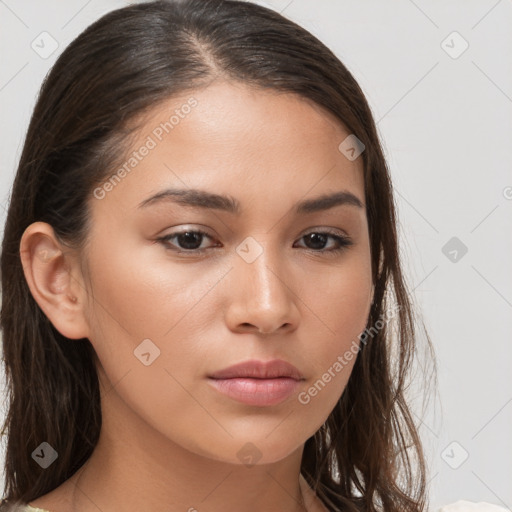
(258, 383)
(259, 370)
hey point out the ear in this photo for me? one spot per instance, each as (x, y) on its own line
(55, 280)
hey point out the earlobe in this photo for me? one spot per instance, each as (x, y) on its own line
(54, 279)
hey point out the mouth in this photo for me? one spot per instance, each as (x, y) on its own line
(255, 391)
(258, 383)
(259, 370)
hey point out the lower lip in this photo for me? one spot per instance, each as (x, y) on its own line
(256, 391)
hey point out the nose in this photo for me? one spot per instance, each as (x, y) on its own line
(262, 298)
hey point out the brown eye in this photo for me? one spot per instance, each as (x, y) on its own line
(189, 240)
(317, 241)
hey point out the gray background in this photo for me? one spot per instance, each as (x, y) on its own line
(446, 125)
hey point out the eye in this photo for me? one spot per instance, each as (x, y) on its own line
(319, 239)
(190, 241)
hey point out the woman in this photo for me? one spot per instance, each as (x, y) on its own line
(203, 302)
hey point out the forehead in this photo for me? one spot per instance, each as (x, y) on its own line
(232, 136)
(235, 112)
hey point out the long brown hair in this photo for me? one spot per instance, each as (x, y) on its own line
(117, 69)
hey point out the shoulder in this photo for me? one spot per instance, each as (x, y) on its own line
(470, 506)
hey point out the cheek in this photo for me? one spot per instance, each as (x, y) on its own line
(341, 304)
(341, 296)
(145, 304)
(144, 294)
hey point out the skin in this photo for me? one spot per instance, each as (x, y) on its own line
(169, 441)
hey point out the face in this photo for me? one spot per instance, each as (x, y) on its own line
(182, 286)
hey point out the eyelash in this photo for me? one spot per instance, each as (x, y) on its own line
(343, 241)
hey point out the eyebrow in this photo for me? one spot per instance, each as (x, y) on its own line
(203, 199)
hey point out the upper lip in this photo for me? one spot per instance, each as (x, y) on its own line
(259, 370)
